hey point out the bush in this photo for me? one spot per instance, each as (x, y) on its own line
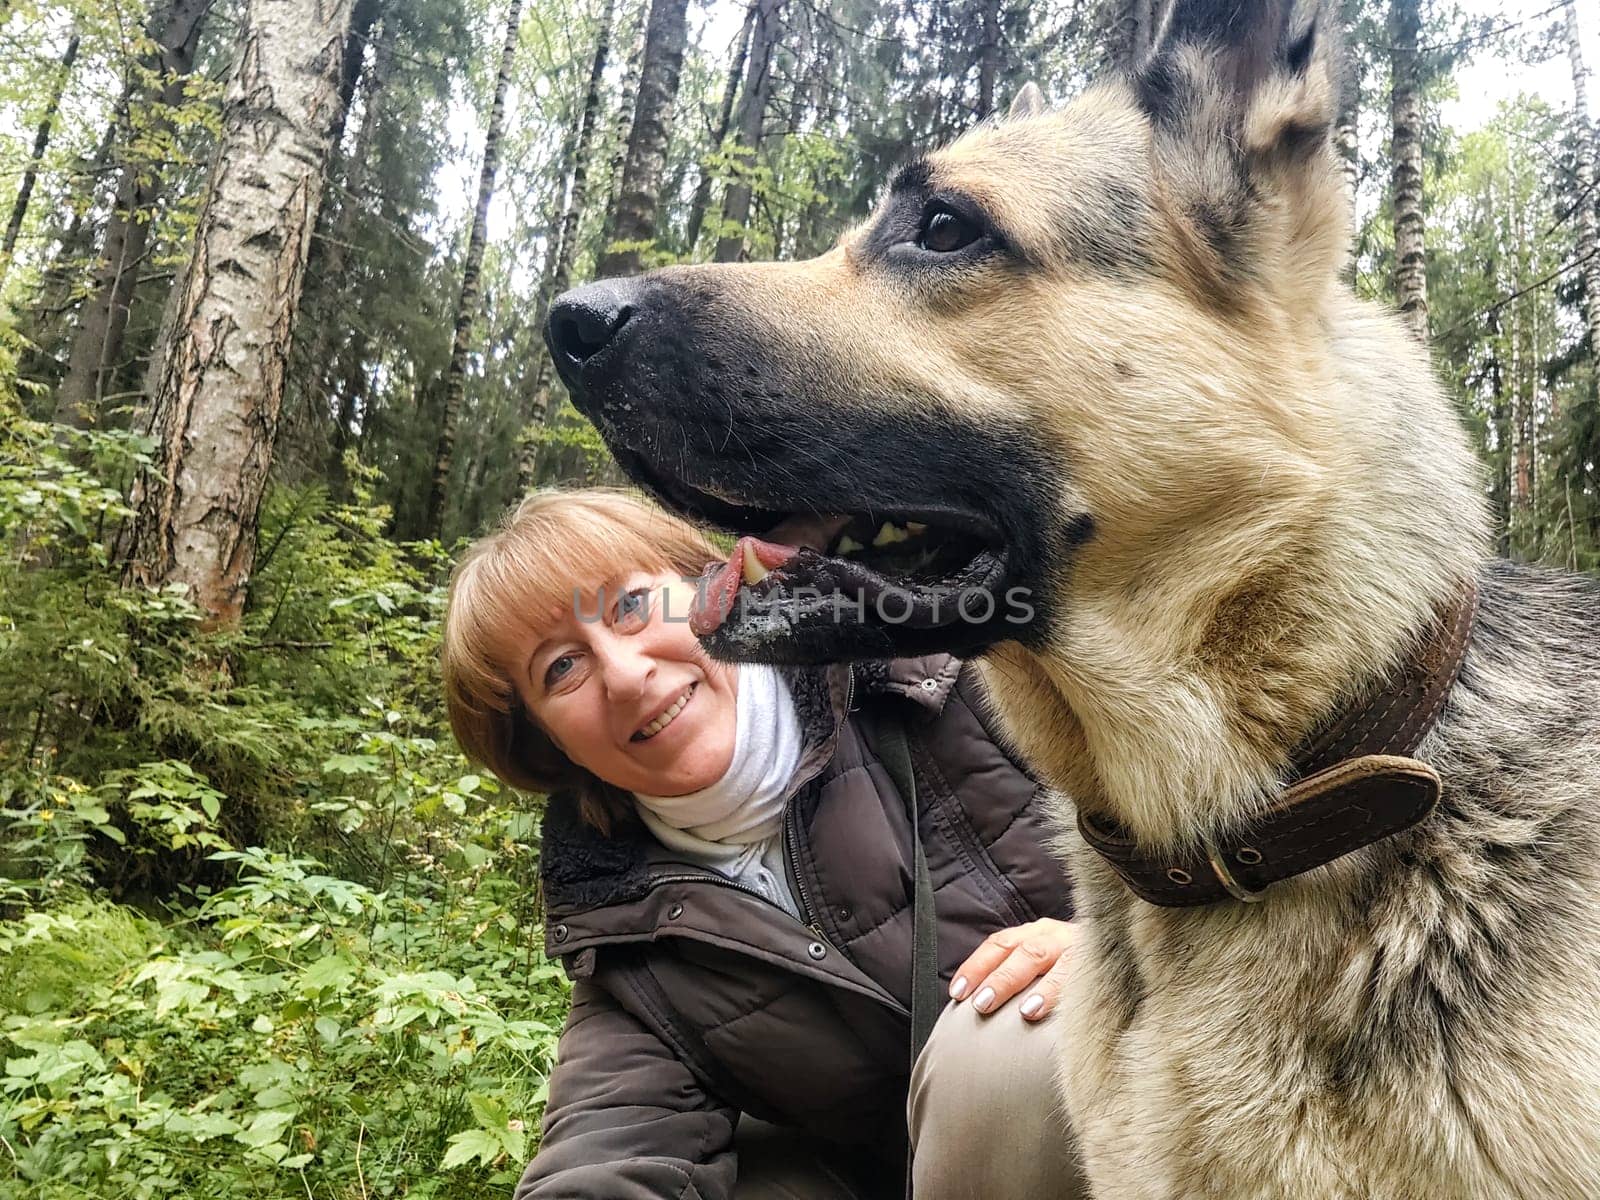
(262, 932)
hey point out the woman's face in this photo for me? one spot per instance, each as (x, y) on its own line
(622, 687)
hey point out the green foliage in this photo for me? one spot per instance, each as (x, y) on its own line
(262, 932)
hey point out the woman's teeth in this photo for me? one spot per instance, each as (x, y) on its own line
(666, 718)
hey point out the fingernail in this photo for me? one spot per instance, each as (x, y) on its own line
(984, 1000)
(1032, 1005)
(958, 987)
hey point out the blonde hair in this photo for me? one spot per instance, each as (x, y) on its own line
(517, 580)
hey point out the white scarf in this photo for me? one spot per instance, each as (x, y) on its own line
(735, 825)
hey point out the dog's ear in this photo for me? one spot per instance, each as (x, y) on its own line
(1242, 95)
(1262, 66)
(1028, 102)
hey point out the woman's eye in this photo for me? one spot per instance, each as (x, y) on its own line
(559, 669)
(945, 232)
(633, 608)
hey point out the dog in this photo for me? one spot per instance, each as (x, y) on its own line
(1098, 366)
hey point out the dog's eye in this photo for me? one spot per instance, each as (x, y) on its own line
(945, 232)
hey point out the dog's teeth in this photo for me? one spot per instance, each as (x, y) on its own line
(754, 572)
(888, 534)
(916, 528)
(848, 545)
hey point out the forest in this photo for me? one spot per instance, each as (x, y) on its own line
(272, 282)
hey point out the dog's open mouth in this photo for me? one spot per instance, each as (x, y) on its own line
(921, 571)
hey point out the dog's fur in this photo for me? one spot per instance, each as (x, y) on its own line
(1269, 495)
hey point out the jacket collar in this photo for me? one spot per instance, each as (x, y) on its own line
(582, 868)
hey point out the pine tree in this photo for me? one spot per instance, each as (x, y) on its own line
(97, 345)
(1588, 238)
(467, 307)
(766, 34)
(566, 249)
(41, 143)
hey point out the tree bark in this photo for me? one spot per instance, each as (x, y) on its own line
(1133, 31)
(215, 411)
(455, 381)
(765, 35)
(97, 345)
(41, 143)
(1405, 112)
(988, 58)
(1588, 235)
(566, 249)
(634, 225)
(719, 135)
(622, 123)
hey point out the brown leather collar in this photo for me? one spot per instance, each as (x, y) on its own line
(1352, 783)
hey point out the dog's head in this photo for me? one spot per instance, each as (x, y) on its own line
(1062, 347)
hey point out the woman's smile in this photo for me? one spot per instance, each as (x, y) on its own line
(667, 717)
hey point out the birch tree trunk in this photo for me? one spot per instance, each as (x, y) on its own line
(634, 225)
(1588, 236)
(765, 34)
(41, 143)
(455, 380)
(719, 135)
(215, 410)
(566, 250)
(97, 344)
(1405, 113)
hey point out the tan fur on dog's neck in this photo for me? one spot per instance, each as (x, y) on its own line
(1179, 680)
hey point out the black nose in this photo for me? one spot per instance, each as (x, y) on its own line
(583, 321)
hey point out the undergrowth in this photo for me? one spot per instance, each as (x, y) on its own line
(262, 932)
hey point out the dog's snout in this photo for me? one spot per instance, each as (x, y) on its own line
(584, 321)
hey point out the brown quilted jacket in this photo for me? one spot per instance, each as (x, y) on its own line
(695, 999)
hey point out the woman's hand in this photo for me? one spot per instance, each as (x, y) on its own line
(1024, 957)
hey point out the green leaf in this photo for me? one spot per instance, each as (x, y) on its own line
(264, 1129)
(471, 1144)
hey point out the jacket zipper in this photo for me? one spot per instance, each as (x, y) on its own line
(791, 835)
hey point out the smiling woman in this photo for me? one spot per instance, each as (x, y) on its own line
(727, 857)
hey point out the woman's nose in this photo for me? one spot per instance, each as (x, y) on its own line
(625, 669)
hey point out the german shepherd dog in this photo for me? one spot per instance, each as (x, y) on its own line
(1099, 365)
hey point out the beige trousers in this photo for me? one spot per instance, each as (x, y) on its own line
(984, 1120)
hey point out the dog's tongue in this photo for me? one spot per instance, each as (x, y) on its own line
(750, 561)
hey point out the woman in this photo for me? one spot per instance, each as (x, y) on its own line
(727, 871)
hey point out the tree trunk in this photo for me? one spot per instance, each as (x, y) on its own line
(1588, 237)
(97, 345)
(1405, 111)
(327, 261)
(634, 225)
(988, 58)
(362, 18)
(455, 381)
(215, 411)
(765, 35)
(1133, 31)
(41, 143)
(719, 135)
(566, 250)
(622, 123)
